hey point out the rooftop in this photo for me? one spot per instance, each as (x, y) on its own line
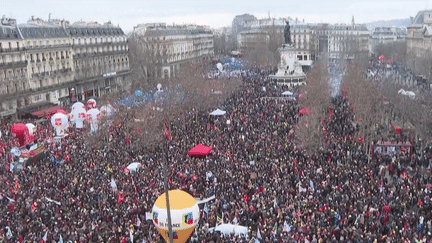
(422, 17)
(30, 31)
(9, 32)
(79, 30)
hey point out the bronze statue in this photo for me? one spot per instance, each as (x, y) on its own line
(287, 33)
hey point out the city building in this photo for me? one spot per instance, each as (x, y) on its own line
(311, 41)
(171, 47)
(386, 35)
(41, 62)
(13, 68)
(49, 60)
(419, 43)
(241, 23)
(269, 32)
(342, 41)
(101, 60)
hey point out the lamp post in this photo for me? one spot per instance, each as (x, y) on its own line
(165, 169)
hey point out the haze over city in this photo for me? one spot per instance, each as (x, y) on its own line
(215, 14)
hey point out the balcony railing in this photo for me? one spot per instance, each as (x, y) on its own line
(12, 49)
(49, 46)
(104, 53)
(13, 64)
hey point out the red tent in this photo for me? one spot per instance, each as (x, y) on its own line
(200, 150)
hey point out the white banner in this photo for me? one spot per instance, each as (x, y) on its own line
(148, 216)
(205, 200)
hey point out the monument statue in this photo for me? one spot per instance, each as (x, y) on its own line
(287, 33)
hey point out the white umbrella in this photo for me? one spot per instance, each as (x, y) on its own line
(227, 229)
(218, 112)
(287, 93)
(220, 67)
(134, 166)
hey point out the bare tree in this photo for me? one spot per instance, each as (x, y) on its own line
(309, 133)
(395, 50)
(317, 90)
(366, 101)
(262, 46)
(223, 44)
(147, 57)
(317, 99)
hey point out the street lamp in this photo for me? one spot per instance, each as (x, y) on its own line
(165, 169)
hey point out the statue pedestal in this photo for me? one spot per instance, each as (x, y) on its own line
(290, 71)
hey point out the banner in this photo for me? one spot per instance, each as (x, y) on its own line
(205, 200)
(148, 216)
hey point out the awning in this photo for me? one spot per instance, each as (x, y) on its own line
(47, 111)
(200, 150)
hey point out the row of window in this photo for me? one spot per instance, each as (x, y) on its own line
(64, 66)
(12, 73)
(101, 60)
(101, 49)
(45, 56)
(98, 40)
(47, 43)
(12, 58)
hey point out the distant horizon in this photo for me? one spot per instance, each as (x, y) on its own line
(170, 24)
(217, 14)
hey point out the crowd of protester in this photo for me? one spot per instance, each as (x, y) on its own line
(261, 176)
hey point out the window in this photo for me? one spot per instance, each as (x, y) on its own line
(299, 57)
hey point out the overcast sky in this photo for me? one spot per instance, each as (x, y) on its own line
(216, 13)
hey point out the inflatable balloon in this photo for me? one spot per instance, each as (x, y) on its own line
(31, 128)
(93, 116)
(21, 132)
(184, 215)
(78, 104)
(61, 111)
(220, 67)
(60, 122)
(79, 116)
(107, 110)
(91, 103)
(138, 93)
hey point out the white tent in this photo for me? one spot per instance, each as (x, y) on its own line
(218, 112)
(287, 93)
(134, 166)
(227, 229)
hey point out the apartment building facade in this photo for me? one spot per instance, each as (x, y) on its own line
(42, 61)
(173, 46)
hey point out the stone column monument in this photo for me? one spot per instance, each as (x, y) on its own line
(290, 71)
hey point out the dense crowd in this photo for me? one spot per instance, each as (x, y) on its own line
(261, 176)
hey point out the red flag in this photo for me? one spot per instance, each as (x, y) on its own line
(120, 198)
(167, 132)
